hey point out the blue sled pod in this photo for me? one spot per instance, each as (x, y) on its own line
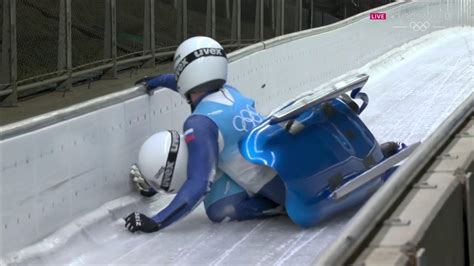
(319, 151)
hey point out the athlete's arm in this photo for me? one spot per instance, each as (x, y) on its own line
(202, 140)
(163, 80)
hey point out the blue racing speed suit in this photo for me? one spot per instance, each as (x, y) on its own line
(231, 187)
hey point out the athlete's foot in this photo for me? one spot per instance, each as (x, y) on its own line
(279, 210)
(390, 148)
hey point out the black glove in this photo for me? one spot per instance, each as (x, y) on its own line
(148, 193)
(140, 222)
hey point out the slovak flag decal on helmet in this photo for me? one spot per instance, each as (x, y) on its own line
(189, 135)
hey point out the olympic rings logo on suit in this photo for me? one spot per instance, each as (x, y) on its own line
(247, 119)
(419, 25)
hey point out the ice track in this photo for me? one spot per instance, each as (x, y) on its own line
(411, 92)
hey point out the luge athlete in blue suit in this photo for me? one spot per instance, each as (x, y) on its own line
(231, 187)
(205, 164)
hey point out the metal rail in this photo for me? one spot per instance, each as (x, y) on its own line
(40, 121)
(66, 73)
(11, 88)
(374, 211)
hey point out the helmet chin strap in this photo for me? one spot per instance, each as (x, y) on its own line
(190, 102)
(168, 171)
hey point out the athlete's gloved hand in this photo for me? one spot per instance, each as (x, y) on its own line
(140, 182)
(140, 222)
(157, 82)
(146, 82)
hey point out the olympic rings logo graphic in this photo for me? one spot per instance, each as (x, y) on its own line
(419, 25)
(247, 119)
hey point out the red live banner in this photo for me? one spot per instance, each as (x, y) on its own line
(378, 16)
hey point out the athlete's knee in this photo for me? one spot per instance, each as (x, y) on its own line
(226, 208)
(218, 212)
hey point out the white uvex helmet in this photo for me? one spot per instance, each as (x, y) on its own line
(162, 160)
(200, 64)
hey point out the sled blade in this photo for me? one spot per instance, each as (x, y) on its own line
(374, 172)
(303, 104)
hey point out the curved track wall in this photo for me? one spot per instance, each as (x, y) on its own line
(59, 166)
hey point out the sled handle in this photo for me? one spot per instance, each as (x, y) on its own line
(317, 97)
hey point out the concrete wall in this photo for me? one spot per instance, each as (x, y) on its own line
(61, 165)
(433, 224)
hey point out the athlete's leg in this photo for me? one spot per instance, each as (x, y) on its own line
(228, 200)
(274, 190)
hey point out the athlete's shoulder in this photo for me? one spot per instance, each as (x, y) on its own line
(199, 126)
(197, 120)
(230, 88)
(199, 123)
(235, 92)
(222, 96)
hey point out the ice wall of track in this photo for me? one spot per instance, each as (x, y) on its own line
(55, 173)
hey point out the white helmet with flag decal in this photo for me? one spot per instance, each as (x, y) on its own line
(162, 161)
(200, 64)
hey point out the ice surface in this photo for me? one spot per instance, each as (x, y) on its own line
(413, 95)
(411, 92)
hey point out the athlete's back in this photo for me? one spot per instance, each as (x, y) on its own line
(234, 115)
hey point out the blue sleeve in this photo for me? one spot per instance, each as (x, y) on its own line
(201, 138)
(163, 80)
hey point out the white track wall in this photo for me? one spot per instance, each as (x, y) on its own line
(54, 174)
